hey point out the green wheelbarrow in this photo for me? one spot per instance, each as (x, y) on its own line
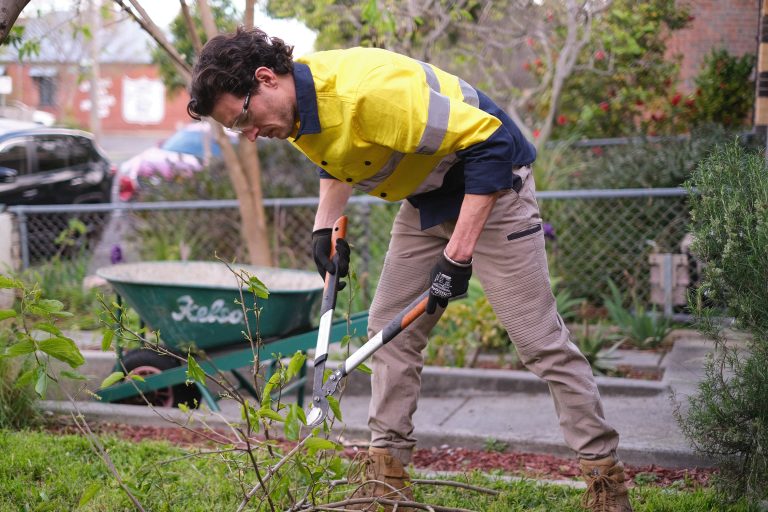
(196, 304)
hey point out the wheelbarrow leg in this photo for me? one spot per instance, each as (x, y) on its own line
(245, 384)
(208, 397)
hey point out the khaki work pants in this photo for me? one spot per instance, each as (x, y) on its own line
(511, 264)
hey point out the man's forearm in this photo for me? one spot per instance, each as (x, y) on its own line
(474, 213)
(334, 196)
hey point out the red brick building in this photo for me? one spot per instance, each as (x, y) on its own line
(132, 97)
(730, 24)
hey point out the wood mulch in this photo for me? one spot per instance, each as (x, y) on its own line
(445, 458)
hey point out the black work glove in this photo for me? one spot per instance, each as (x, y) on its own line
(321, 252)
(448, 280)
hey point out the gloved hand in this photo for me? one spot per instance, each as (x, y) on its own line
(449, 279)
(321, 252)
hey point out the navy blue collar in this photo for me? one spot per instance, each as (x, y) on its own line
(306, 100)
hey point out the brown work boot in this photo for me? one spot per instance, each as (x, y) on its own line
(606, 491)
(383, 477)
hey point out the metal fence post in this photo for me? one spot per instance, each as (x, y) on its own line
(23, 237)
(667, 283)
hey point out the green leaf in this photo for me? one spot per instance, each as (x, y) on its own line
(41, 384)
(7, 313)
(137, 378)
(292, 425)
(63, 349)
(363, 368)
(73, 375)
(333, 403)
(21, 348)
(113, 378)
(258, 288)
(194, 372)
(50, 305)
(267, 412)
(295, 365)
(26, 378)
(319, 443)
(9, 282)
(49, 328)
(89, 493)
(106, 341)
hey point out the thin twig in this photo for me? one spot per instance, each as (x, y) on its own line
(452, 483)
(271, 472)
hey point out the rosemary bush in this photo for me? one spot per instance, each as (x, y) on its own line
(728, 417)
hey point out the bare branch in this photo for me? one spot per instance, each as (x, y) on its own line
(155, 33)
(196, 43)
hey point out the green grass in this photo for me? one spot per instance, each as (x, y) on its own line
(44, 472)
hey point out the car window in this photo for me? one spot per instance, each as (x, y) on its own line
(52, 152)
(190, 142)
(80, 151)
(14, 156)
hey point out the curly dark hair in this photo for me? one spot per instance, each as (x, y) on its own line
(227, 63)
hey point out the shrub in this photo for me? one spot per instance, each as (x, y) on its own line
(728, 418)
(724, 90)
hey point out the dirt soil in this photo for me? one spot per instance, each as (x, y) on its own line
(445, 458)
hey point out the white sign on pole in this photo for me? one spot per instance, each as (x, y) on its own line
(6, 85)
(143, 100)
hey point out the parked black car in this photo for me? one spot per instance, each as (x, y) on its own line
(40, 165)
(50, 166)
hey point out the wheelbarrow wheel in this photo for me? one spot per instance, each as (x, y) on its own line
(145, 363)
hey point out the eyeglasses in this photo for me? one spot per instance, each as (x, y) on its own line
(240, 119)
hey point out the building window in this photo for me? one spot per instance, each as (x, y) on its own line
(46, 86)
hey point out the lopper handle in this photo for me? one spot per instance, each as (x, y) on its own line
(339, 230)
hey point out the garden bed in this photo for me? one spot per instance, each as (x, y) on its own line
(440, 459)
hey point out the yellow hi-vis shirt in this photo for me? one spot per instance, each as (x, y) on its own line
(391, 125)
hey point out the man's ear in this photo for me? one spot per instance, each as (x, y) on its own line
(265, 76)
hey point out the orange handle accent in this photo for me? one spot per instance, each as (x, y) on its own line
(415, 313)
(339, 230)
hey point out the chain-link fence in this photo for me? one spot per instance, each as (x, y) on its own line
(593, 235)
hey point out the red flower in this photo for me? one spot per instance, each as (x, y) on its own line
(537, 62)
(599, 55)
(597, 150)
(527, 66)
(676, 99)
(604, 106)
(536, 133)
(639, 103)
(561, 120)
(529, 41)
(689, 102)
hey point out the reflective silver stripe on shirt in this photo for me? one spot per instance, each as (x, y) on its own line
(470, 94)
(434, 179)
(438, 115)
(432, 80)
(385, 172)
(437, 124)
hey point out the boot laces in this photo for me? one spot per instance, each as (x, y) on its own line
(600, 495)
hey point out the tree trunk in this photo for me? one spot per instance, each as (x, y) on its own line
(245, 172)
(9, 13)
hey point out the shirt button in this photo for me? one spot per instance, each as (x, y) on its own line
(367, 162)
(383, 194)
(323, 162)
(349, 179)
